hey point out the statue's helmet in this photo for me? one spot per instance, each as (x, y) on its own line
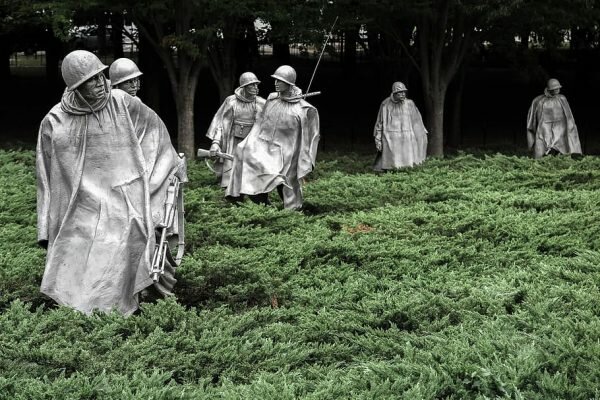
(121, 70)
(286, 74)
(398, 87)
(248, 78)
(553, 84)
(78, 66)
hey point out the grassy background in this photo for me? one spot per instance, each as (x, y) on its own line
(470, 277)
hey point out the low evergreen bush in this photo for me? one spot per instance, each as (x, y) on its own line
(470, 277)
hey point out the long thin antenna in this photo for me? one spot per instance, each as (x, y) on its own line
(321, 55)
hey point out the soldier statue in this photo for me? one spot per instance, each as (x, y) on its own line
(232, 123)
(400, 136)
(551, 127)
(124, 74)
(105, 165)
(281, 148)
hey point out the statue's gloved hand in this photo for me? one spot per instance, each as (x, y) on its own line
(214, 149)
(378, 145)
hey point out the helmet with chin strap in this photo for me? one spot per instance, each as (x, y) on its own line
(78, 66)
(248, 78)
(286, 74)
(122, 70)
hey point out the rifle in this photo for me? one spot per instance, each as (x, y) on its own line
(162, 252)
(303, 96)
(205, 154)
(321, 55)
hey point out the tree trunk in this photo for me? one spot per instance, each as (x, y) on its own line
(150, 89)
(434, 105)
(101, 33)
(5, 53)
(222, 64)
(183, 72)
(455, 137)
(226, 87)
(55, 50)
(246, 46)
(185, 122)
(116, 35)
(281, 43)
(183, 84)
(525, 36)
(349, 56)
(222, 60)
(440, 58)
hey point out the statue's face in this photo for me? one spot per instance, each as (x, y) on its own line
(281, 86)
(131, 86)
(399, 96)
(93, 88)
(251, 89)
(554, 92)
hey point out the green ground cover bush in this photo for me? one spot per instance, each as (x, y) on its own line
(470, 277)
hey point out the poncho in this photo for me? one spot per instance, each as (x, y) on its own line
(281, 149)
(550, 125)
(403, 136)
(102, 178)
(230, 125)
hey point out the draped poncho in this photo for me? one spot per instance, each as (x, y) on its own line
(281, 149)
(230, 125)
(102, 177)
(551, 126)
(403, 136)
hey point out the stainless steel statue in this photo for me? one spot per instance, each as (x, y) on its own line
(232, 123)
(281, 148)
(550, 124)
(124, 74)
(105, 166)
(400, 136)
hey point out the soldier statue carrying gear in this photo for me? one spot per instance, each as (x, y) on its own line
(232, 123)
(105, 168)
(281, 148)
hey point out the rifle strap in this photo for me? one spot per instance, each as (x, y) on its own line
(208, 164)
(181, 226)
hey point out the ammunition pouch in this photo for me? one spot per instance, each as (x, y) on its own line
(241, 129)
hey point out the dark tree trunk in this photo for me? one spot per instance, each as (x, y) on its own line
(185, 121)
(386, 55)
(101, 33)
(149, 65)
(281, 43)
(281, 52)
(116, 35)
(434, 106)
(223, 67)
(5, 53)
(455, 108)
(226, 88)
(182, 74)
(184, 82)
(54, 52)
(222, 59)
(349, 55)
(440, 58)
(525, 36)
(246, 47)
